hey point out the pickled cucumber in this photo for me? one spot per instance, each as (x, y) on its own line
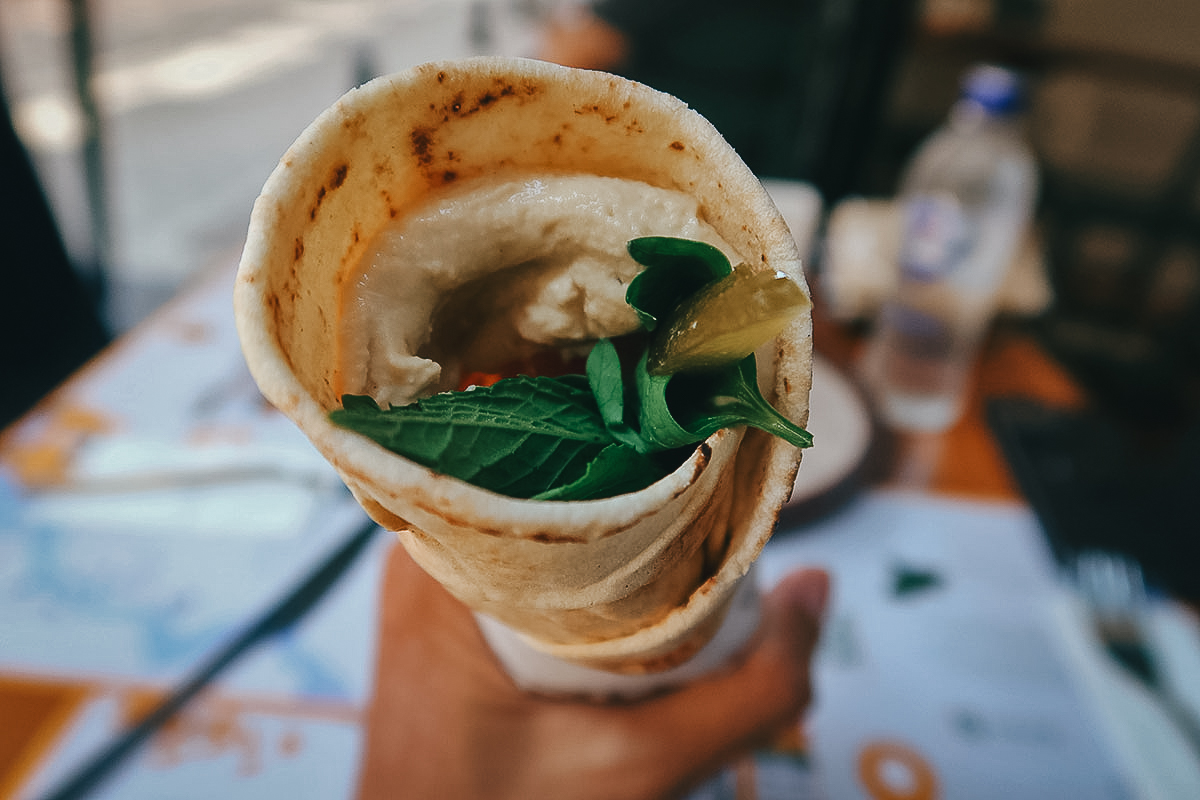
(726, 321)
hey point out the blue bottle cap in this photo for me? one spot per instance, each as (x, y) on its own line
(997, 90)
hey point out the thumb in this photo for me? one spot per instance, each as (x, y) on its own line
(773, 685)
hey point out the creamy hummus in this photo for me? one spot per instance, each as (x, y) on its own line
(494, 270)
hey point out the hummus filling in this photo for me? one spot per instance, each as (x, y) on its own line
(491, 272)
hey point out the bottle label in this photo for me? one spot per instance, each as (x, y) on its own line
(936, 237)
(923, 335)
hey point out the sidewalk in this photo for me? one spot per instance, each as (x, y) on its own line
(199, 98)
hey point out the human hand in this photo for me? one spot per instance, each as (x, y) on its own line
(447, 722)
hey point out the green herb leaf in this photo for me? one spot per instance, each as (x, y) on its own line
(689, 407)
(654, 413)
(615, 395)
(520, 437)
(617, 469)
(618, 429)
(675, 269)
(708, 401)
(656, 421)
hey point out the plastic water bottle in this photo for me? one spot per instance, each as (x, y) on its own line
(966, 201)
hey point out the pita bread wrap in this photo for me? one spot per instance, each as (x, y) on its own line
(634, 583)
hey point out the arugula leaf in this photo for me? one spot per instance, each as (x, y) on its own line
(519, 437)
(677, 269)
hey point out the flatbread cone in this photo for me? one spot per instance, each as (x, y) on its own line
(631, 584)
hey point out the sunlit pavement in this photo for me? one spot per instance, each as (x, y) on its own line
(198, 99)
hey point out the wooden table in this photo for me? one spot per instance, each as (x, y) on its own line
(965, 460)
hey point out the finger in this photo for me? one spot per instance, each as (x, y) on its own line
(772, 685)
(694, 731)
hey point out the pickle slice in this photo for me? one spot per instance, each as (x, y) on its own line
(726, 321)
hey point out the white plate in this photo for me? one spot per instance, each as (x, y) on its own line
(842, 432)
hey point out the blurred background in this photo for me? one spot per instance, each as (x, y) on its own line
(153, 157)
(153, 125)
(149, 127)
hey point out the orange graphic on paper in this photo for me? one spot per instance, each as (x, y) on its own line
(36, 712)
(208, 729)
(880, 764)
(45, 461)
(216, 725)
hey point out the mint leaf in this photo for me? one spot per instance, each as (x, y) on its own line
(676, 409)
(671, 411)
(519, 437)
(615, 395)
(616, 430)
(617, 469)
(675, 270)
(657, 423)
(704, 402)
